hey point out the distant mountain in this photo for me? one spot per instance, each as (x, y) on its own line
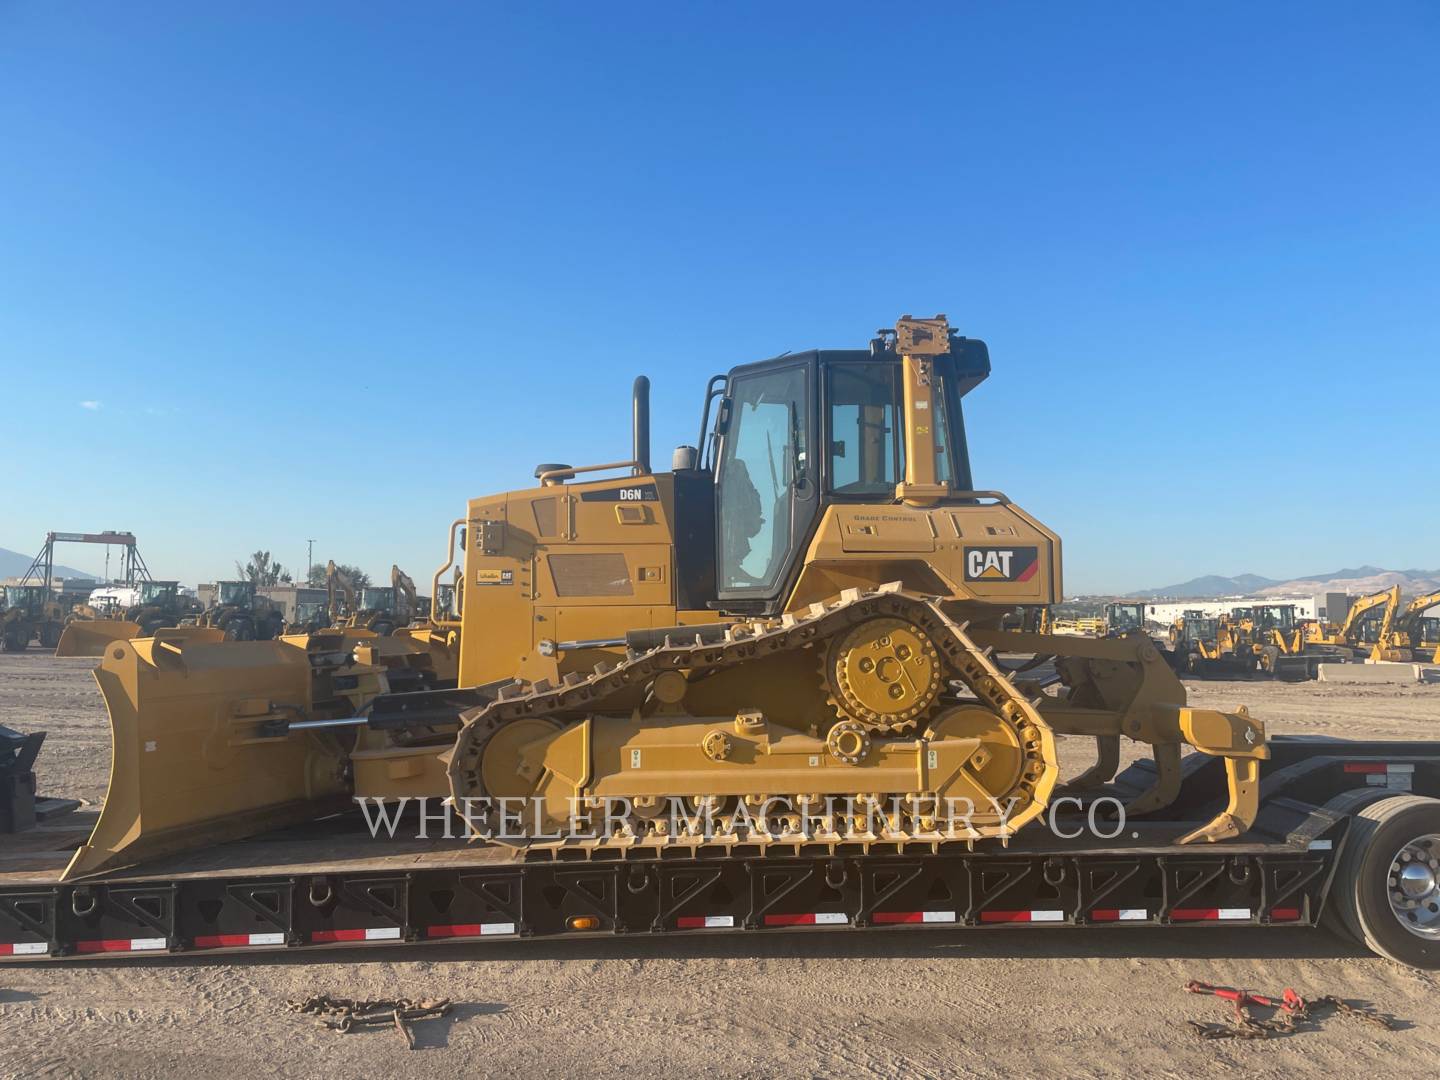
(1353, 580)
(13, 564)
(1359, 581)
(1209, 587)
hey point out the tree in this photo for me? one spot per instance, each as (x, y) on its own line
(263, 570)
(358, 576)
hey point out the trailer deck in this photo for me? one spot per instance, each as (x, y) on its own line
(329, 883)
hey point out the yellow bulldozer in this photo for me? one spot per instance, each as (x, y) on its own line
(794, 635)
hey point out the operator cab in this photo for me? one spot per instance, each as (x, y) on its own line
(234, 594)
(26, 598)
(377, 598)
(797, 433)
(1268, 616)
(158, 592)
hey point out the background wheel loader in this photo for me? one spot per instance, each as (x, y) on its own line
(160, 605)
(241, 614)
(31, 612)
(793, 635)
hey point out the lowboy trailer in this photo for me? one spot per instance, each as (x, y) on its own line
(1348, 833)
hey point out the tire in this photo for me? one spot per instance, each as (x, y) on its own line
(1362, 891)
(50, 635)
(239, 630)
(13, 643)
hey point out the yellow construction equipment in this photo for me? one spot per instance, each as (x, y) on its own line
(29, 612)
(1367, 623)
(1407, 634)
(159, 605)
(793, 634)
(370, 607)
(241, 613)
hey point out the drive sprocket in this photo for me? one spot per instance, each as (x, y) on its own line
(883, 673)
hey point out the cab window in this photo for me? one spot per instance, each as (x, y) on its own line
(762, 455)
(867, 438)
(866, 449)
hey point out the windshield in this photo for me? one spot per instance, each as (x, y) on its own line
(22, 595)
(1125, 617)
(1201, 628)
(375, 599)
(764, 449)
(232, 592)
(153, 591)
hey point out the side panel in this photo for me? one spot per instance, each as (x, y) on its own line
(991, 552)
(564, 562)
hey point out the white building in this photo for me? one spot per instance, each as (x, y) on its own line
(1162, 613)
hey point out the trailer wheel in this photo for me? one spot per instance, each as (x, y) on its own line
(1387, 885)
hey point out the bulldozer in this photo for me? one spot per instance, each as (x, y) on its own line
(792, 637)
(158, 605)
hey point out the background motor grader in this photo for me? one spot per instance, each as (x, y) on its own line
(803, 613)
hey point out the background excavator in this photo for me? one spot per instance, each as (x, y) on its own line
(1366, 624)
(370, 607)
(804, 613)
(1407, 634)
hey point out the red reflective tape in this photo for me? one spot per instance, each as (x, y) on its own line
(705, 922)
(108, 945)
(1119, 915)
(1366, 767)
(338, 935)
(789, 920)
(1207, 914)
(810, 918)
(899, 916)
(24, 948)
(1004, 916)
(488, 929)
(221, 941)
(1285, 913)
(456, 930)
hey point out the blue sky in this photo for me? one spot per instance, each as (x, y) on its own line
(328, 270)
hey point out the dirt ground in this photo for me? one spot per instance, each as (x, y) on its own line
(1086, 1003)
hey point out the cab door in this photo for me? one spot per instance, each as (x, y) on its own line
(766, 490)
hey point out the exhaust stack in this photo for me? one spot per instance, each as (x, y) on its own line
(640, 426)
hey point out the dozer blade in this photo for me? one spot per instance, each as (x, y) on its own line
(88, 637)
(192, 761)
